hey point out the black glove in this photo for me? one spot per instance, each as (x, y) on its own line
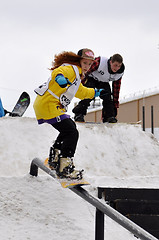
(104, 94)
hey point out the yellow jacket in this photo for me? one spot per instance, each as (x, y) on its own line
(47, 107)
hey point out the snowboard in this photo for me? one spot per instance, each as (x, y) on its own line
(21, 105)
(68, 183)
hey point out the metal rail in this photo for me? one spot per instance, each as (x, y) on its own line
(106, 209)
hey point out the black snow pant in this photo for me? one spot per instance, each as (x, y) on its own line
(67, 139)
(108, 106)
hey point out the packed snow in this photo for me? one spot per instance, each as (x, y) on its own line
(38, 208)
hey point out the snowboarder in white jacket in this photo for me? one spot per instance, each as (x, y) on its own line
(102, 72)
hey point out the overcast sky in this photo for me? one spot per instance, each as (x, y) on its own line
(31, 32)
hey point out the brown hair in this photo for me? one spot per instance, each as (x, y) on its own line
(117, 58)
(66, 57)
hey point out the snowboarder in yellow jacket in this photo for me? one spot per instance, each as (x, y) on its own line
(51, 103)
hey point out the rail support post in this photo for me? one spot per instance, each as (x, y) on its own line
(99, 220)
(152, 120)
(143, 117)
(33, 169)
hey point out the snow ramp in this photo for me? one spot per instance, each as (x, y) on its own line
(112, 150)
(38, 208)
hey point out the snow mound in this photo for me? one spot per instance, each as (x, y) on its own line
(115, 150)
(38, 208)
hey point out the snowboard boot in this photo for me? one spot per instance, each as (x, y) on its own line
(79, 118)
(53, 158)
(110, 120)
(67, 169)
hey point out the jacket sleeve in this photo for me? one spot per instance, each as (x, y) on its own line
(94, 66)
(1, 109)
(85, 93)
(116, 91)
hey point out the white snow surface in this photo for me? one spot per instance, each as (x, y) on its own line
(38, 208)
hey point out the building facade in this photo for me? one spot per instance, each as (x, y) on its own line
(131, 110)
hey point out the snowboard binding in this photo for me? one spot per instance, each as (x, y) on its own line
(63, 166)
(53, 158)
(66, 169)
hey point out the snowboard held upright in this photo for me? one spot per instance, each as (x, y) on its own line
(21, 105)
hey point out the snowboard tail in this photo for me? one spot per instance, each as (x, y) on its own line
(67, 182)
(21, 105)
